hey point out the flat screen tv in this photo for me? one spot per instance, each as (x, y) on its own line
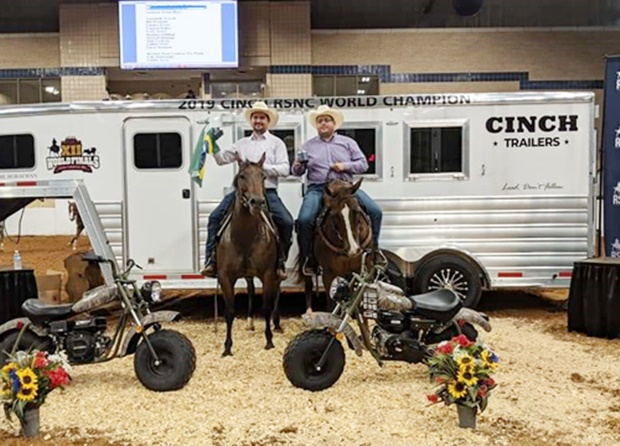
(167, 34)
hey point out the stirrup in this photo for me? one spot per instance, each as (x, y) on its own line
(305, 272)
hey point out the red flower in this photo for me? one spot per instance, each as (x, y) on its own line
(58, 377)
(482, 391)
(433, 398)
(462, 341)
(440, 380)
(489, 382)
(40, 361)
(445, 349)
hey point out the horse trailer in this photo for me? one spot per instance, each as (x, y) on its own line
(479, 191)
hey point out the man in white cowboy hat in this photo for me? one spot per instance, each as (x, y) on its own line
(251, 148)
(330, 156)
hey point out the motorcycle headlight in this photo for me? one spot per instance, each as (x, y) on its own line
(339, 288)
(151, 291)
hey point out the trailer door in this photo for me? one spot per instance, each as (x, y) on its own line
(158, 190)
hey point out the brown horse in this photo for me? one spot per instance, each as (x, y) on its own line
(343, 232)
(74, 215)
(248, 247)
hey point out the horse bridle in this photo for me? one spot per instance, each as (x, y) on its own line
(330, 245)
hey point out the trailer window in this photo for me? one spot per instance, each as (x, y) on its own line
(286, 135)
(436, 150)
(157, 150)
(366, 138)
(16, 151)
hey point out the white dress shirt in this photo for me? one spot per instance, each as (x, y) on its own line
(252, 147)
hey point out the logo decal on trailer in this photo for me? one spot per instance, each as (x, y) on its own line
(71, 156)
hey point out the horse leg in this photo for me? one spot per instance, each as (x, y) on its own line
(327, 281)
(308, 290)
(228, 290)
(276, 314)
(251, 293)
(270, 291)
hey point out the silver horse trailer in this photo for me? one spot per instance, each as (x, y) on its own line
(479, 191)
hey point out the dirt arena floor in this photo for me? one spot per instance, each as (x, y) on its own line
(554, 387)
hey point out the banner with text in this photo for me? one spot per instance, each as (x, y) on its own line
(611, 158)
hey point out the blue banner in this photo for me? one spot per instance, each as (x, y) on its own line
(611, 158)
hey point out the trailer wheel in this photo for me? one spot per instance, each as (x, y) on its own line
(395, 276)
(454, 273)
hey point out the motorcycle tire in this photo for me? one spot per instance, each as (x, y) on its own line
(178, 361)
(302, 354)
(28, 341)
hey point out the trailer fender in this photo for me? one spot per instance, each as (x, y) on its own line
(130, 343)
(17, 324)
(458, 252)
(332, 323)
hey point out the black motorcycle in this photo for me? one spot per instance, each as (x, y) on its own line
(163, 359)
(404, 328)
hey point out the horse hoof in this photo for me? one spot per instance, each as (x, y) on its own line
(278, 330)
(226, 353)
(269, 346)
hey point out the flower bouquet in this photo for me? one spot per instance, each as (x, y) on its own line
(26, 379)
(462, 370)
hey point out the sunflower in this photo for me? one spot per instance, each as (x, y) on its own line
(457, 389)
(489, 359)
(465, 360)
(8, 367)
(27, 378)
(27, 394)
(466, 376)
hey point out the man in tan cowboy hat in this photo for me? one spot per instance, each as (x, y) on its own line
(330, 156)
(251, 148)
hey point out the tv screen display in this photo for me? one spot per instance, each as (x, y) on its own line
(160, 34)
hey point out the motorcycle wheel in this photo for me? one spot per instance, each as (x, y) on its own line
(29, 341)
(304, 352)
(178, 361)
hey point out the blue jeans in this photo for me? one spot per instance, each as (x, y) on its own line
(281, 217)
(311, 207)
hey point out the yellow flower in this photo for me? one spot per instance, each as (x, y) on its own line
(457, 389)
(465, 360)
(27, 378)
(487, 360)
(466, 376)
(27, 393)
(8, 367)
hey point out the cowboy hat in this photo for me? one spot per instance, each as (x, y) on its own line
(261, 107)
(325, 110)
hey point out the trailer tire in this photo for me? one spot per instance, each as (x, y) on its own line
(452, 272)
(395, 276)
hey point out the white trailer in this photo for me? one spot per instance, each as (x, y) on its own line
(478, 190)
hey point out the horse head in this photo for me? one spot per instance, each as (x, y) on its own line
(250, 185)
(346, 227)
(72, 210)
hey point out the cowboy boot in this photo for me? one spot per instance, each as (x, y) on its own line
(210, 268)
(281, 270)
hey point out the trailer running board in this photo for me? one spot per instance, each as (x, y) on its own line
(16, 195)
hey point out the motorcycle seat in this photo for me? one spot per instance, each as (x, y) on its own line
(37, 310)
(441, 305)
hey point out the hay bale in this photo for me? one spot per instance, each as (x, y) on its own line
(81, 276)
